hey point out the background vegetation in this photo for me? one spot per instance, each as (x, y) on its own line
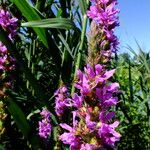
(51, 44)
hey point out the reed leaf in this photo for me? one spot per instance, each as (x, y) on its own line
(30, 14)
(58, 23)
(20, 120)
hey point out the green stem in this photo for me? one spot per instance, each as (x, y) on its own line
(29, 63)
(40, 4)
(32, 67)
(79, 56)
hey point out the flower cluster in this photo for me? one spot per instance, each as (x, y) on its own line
(8, 22)
(62, 100)
(104, 13)
(45, 125)
(91, 127)
(7, 62)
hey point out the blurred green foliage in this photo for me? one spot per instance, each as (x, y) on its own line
(133, 111)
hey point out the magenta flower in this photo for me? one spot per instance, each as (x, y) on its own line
(62, 100)
(8, 22)
(90, 124)
(91, 128)
(77, 101)
(91, 78)
(45, 124)
(106, 116)
(44, 129)
(7, 63)
(108, 133)
(3, 49)
(87, 146)
(105, 14)
(91, 116)
(70, 137)
(96, 94)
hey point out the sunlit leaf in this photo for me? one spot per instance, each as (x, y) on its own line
(30, 14)
(59, 23)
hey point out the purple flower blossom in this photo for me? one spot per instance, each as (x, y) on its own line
(90, 124)
(91, 78)
(45, 113)
(44, 129)
(91, 128)
(104, 13)
(7, 63)
(77, 101)
(88, 80)
(3, 49)
(113, 87)
(105, 116)
(87, 146)
(45, 125)
(108, 133)
(8, 22)
(91, 115)
(61, 100)
(70, 137)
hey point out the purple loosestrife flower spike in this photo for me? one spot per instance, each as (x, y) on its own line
(7, 63)
(91, 128)
(104, 13)
(45, 124)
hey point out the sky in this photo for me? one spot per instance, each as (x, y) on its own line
(134, 24)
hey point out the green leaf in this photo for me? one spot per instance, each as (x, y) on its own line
(22, 64)
(65, 44)
(59, 23)
(30, 14)
(2, 147)
(18, 116)
(83, 6)
(20, 120)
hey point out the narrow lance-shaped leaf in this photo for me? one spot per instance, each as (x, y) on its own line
(130, 83)
(59, 23)
(83, 6)
(21, 122)
(66, 45)
(30, 14)
(18, 116)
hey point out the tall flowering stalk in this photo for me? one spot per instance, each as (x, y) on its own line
(92, 127)
(7, 62)
(105, 19)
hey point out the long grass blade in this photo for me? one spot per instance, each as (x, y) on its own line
(30, 14)
(58, 23)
